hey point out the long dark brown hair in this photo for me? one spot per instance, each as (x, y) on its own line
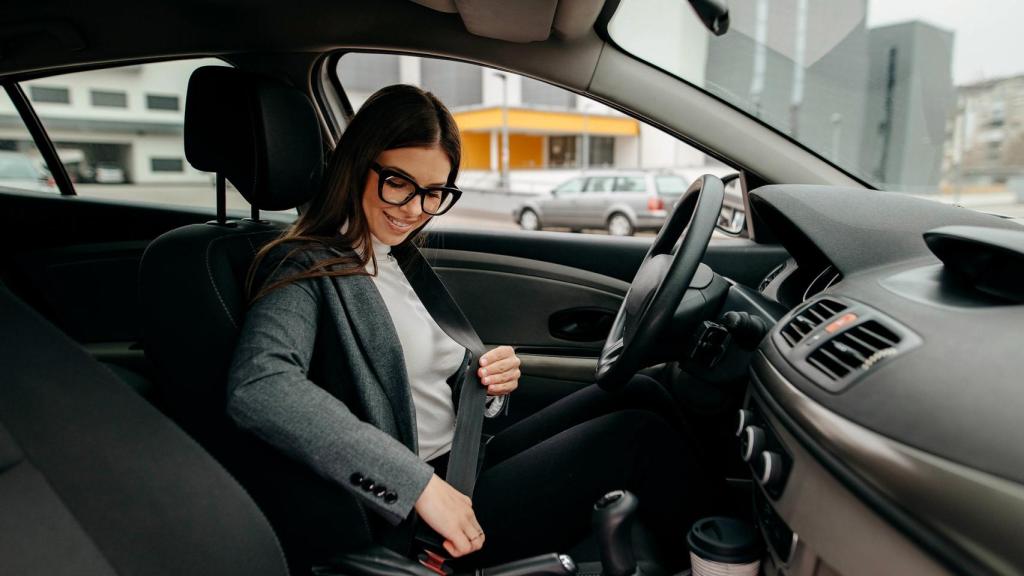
(399, 116)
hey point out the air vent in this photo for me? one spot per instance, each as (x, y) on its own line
(810, 318)
(858, 348)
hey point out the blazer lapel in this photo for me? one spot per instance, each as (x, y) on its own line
(380, 347)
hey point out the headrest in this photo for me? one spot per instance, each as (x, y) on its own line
(261, 134)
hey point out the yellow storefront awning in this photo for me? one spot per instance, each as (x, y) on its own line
(546, 122)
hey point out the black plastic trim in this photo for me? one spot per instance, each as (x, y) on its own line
(322, 68)
(332, 72)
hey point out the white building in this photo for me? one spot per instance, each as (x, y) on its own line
(130, 117)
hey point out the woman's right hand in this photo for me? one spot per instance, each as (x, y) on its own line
(450, 513)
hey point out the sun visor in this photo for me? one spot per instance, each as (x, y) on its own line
(522, 20)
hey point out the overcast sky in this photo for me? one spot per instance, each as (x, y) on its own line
(988, 41)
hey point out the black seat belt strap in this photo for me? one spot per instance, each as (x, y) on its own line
(469, 417)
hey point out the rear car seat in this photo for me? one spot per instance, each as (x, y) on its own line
(95, 481)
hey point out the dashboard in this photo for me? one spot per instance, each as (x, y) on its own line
(883, 424)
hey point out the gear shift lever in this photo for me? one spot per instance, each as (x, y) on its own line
(613, 525)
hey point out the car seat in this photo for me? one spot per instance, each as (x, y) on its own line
(264, 137)
(94, 481)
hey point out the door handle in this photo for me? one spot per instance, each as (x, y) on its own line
(581, 324)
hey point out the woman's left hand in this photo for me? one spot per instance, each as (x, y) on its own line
(499, 371)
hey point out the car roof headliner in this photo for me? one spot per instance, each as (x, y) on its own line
(42, 37)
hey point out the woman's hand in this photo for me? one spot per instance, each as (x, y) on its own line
(499, 371)
(450, 513)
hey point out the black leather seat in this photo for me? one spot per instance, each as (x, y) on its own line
(264, 137)
(94, 481)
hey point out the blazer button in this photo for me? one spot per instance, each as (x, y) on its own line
(368, 484)
(391, 497)
(380, 491)
(356, 479)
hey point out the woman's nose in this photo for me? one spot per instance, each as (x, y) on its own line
(413, 208)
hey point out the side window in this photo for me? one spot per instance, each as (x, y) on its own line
(523, 139)
(120, 133)
(22, 166)
(630, 184)
(600, 184)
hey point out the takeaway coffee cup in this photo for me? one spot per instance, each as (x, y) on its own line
(721, 546)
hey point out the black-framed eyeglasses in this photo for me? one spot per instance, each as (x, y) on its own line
(397, 189)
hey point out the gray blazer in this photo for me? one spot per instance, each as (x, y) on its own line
(319, 373)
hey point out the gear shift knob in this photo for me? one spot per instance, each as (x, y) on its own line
(613, 526)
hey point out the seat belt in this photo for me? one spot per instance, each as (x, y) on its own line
(464, 457)
(463, 460)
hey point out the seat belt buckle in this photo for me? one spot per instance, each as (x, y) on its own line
(432, 554)
(434, 562)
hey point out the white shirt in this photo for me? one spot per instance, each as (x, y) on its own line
(431, 356)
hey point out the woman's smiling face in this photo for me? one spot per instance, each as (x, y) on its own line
(427, 167)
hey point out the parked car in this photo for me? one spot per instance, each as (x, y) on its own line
(108, 173)
(21, 172)
(620, 202)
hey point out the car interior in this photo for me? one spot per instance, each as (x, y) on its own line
(850, 363)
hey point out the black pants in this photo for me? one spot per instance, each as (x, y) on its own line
(542, 475)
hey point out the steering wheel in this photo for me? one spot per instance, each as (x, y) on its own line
(660, 284)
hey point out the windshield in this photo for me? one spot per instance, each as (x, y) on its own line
(922, 96)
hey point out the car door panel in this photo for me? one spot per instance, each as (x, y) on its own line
(511, 300)
(559, 208)
(512, 286)
(594, 202)
(80, 268)
(554, 210)
(89, 290)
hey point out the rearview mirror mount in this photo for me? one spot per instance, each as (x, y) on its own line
(714, 14)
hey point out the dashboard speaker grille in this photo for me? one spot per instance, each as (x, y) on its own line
(806, 321)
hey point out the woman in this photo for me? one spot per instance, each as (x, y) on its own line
(340, 365)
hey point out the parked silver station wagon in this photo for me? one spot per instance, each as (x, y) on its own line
(619, 202)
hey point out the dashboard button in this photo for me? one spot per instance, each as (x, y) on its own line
(743, 419)
(751, 443)
(768, 470)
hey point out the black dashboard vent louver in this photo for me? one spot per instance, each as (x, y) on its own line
(858, 348)
(813, 316)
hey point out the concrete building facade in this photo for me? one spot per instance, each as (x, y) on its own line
(985, 135)
(909, 97)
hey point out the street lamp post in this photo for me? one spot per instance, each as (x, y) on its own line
(505, 184)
